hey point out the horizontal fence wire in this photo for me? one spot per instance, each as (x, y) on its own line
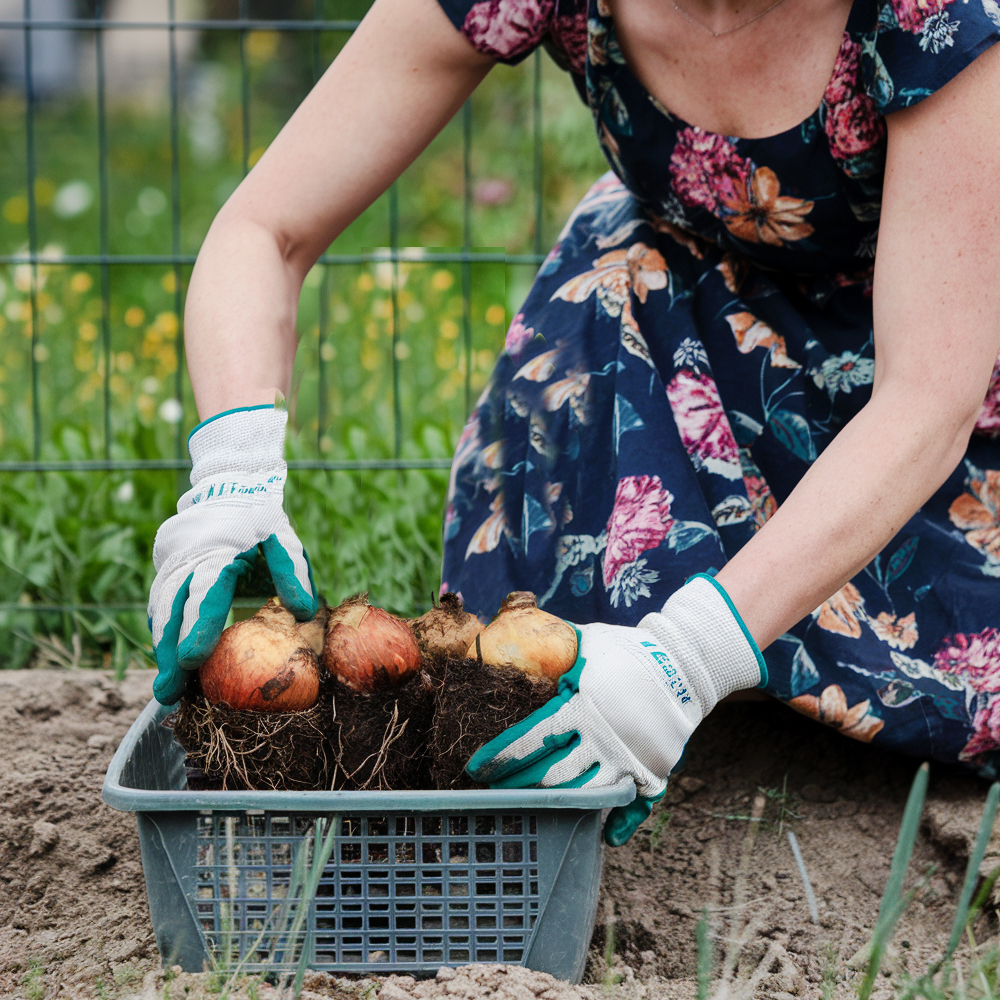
(214, 24)
(136, 464)
(404, 255)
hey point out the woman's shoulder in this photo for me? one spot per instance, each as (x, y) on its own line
(911, 48)
(510, 30)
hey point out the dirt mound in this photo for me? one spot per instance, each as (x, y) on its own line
(74, 920)
(72, 896)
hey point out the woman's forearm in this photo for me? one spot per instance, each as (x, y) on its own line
(868, 482)
(240, 318)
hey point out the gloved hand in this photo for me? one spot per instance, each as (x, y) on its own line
(234, 505)
(629, 704)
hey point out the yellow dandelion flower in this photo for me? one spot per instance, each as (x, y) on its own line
(442, 281)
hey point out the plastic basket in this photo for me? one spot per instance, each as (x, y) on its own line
(416, 880)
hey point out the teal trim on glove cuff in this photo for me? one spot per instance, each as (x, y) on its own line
(739, 621)
(225, 413)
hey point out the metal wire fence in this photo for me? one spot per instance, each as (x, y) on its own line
(106, 261)
(25, 254)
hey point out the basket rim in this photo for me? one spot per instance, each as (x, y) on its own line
(126, 798)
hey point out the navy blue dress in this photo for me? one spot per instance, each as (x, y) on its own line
(697, 336)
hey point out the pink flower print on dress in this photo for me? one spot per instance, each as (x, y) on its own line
(639, 521)
(702, 423)
(914, 14)
(974, 657)
(852, 123)
(518, 336)
(507, 28)
(569, 33)
(986, 736)
(707, 170)
(988, 421)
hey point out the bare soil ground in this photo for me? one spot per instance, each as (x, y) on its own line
(74, 921)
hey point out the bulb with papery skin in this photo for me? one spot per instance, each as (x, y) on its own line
(368, 648)
(446, 630)
(267, 663)
(527, 638)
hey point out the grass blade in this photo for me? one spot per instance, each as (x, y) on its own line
(893, 903)
(810, 895)
(972, 871)
(704, 956)
(320, 859)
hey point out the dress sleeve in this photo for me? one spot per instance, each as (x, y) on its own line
(916, 46)
(507, 30)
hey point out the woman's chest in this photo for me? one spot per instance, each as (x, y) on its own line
(805, 198)
(765, 71)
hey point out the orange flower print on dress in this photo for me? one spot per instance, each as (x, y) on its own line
(639, 269)
(858, 721)
(762, 215)
(840, 613)
(977, 513)
(733, 270)
(487, 536)
(572, 388)
(751, 333)
(762, 502)
(899, 633)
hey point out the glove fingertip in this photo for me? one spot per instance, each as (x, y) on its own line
(623, 821)
(298, 598)
(167, 688)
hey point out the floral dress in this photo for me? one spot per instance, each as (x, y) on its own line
(697, 336)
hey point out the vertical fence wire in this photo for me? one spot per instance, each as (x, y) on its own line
(324, 285)
(466, 247)
(175, 226)
(244, 89)
(397, 407)
(537, 151)
(103, 224)
(29, 124)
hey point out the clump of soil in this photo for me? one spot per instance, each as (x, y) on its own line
(230, 749)
(476, 702)
(377, 740)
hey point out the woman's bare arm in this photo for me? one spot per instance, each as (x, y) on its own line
(937, 330)
(396, 83)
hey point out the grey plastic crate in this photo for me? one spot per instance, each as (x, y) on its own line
(416, 880)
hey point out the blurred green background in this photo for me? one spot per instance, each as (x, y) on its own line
(89, 354)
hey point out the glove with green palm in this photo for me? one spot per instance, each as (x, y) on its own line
(234, 505)
(630, 703)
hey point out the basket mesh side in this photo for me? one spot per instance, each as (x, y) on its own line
(401, 890)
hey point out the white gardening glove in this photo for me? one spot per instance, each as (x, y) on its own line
(629, 704)
(234, 505)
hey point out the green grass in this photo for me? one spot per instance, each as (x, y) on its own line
(107, 380)
(969, 973)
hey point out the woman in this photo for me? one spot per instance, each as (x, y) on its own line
(715, 375)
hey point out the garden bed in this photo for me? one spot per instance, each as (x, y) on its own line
(74, 922)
